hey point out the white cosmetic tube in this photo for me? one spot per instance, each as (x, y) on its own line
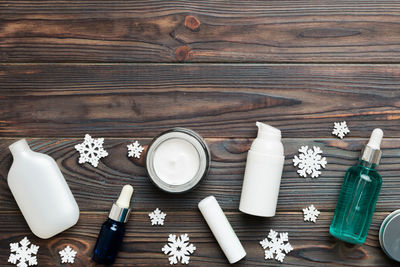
(221, 229)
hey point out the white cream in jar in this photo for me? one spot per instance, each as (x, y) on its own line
(177, 160)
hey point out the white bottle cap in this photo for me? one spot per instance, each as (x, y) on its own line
(221, 229)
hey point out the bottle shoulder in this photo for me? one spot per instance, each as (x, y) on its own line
(363, 172)
(263, 146)
(33, 164)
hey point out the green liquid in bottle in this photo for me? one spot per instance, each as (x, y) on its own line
(356, 203)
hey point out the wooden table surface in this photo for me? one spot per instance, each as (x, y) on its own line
(127, 70)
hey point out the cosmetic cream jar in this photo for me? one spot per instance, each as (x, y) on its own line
(389, 235)
(177, 160)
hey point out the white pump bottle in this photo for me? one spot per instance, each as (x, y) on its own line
(41, 192)
(262, 176)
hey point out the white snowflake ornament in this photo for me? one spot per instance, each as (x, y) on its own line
(179, 249)
(157, 217)
(309, 161)
(340, 129)
(311, 214)
(24, 255)
(135, 150)
(91, 150)
(279, 246)
(67, 255)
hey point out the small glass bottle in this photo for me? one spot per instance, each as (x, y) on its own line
(359, 194)
(113, 230)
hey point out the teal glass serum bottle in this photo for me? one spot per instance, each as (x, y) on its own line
(359, 194)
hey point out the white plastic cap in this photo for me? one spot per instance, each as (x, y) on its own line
(124, 199)
(222, 229)
(375, 139)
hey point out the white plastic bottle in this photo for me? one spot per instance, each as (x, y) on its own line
(262, 176)
(41, 192)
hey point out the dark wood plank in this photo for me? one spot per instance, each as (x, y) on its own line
(215, 100)
(313, 246)
(229, 31)
(96, 188)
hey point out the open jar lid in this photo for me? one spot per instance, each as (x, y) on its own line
(389, 235)
(177, 160)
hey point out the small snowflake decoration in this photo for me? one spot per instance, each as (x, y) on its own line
(309, 161)
(279, 246)
(340, 129)
(311, 214)
(157, 217)
(179, 249)
(135, 150)
(91, 150)
(67, 255)
(23, 254)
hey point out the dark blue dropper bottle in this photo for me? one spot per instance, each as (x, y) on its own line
(113, 230)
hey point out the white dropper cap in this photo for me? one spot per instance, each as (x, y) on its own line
(372, 151)
(120, 210)
(124, 200)
(376, 139)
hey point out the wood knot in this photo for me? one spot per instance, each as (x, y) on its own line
(192, 23)
(183, 53)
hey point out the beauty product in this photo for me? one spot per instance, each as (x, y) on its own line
(389, 235)
(177, 160)
(221, 229)
(263, 173)
(113, 229)
(41, 192)
(359, 194)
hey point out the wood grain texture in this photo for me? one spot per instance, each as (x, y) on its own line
(231, 31)
(96, 188)
(122, 100)
(313, 246)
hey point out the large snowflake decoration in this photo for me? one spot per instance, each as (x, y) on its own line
(91, 150)
(179, 249)
(279, 246)
(309, 161)
(311, 214)
(135, 150)
(67, 255)
(23, 254)
(340, 129)
(157, 217)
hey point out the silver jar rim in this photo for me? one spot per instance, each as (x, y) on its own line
(389, 229)
(198, 143)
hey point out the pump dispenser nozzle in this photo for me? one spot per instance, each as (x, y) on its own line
(267, 131)
(372, 151)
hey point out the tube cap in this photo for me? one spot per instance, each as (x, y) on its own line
(222, 230)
